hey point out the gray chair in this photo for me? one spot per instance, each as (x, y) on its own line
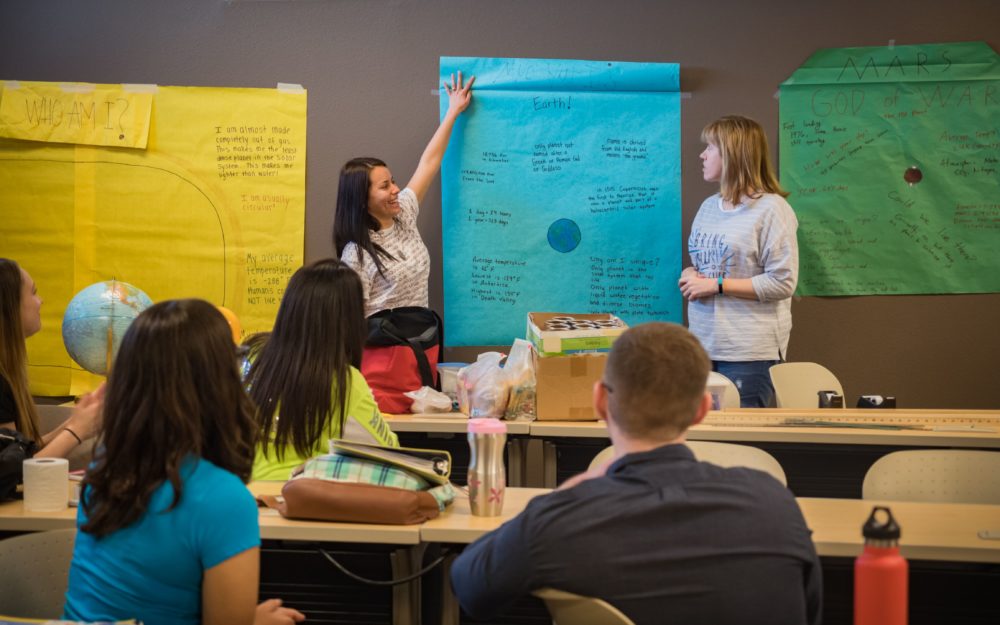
(602, 456)
(723, 455)
(34, 573)
(732, 455)
(51, 416)
(566, 608)
(797, 384)
(937, 475)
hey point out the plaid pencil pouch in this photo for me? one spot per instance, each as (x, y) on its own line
(338, 467)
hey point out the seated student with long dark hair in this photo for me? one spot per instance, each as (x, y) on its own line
(168, 530)
(307, 369)
(20, 318)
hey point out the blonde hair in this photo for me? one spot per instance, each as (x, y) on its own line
(746, 162)
(13, 354)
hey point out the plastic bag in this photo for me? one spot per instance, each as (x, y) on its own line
(427, 400)
(520, 373)
(483, 387)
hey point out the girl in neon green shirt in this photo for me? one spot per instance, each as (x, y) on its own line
(304, 364)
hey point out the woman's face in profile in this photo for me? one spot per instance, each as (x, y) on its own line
(383, 195)
(31, 306)
(711, 163)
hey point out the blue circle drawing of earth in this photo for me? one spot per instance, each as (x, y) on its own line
(96, 319)
(564, 235)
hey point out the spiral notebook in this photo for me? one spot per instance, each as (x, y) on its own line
(434, 465)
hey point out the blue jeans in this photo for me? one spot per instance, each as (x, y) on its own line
(752, 378)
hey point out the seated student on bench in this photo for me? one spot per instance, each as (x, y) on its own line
(654, 532)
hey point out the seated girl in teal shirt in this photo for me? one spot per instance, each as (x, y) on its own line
(168, 530)
(308, 369)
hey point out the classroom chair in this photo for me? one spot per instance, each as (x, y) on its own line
(723, 455)
(797, 384)
(936, 475)
(51, 416)
(566, 608)
(730, 395)
(601, 457)
(35, 573)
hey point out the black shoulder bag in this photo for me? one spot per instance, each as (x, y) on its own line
(15, 448)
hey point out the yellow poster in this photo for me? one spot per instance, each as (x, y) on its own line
(213, 207)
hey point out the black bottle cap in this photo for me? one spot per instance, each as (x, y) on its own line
(877, 529)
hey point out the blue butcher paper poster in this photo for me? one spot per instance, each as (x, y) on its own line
(561, 192)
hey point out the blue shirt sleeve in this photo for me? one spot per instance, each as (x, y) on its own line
(229, 521)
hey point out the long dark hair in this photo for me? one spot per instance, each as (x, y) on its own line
(318, 335)
(174, 392)
(13, 354)
(352, 223)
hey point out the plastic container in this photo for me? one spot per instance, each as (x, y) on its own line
(718, 393)
(448, 372)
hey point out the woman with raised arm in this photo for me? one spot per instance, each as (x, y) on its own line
(168, 531)
(375, 226)
(745, 260)
(20, 318)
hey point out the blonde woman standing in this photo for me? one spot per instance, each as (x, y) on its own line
(744, 260)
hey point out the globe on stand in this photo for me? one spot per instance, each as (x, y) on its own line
(96, 320)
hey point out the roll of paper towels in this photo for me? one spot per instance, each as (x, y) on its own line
(46, 484)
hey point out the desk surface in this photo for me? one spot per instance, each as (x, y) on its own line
(917, 428)
(940, 427)
(931, 531)
(455, 422)
(457, 525)
(13, 517)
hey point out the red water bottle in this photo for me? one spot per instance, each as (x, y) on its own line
(880, 573)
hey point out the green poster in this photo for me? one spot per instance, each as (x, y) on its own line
(892, 156)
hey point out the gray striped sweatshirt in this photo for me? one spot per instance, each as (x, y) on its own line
(755, 240)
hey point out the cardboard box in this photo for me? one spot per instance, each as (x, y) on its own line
(550, 342)
(569, 362)
(564, 386)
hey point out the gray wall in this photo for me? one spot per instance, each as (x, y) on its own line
(369, 66)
